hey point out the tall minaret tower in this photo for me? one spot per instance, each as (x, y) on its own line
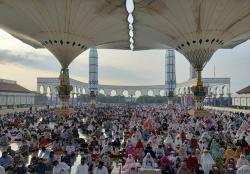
(170, 76)
(93, 74)
(192, 72)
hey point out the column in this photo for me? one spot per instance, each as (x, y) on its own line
(93, 74)
(170, 75)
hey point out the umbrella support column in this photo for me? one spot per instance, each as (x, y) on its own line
(199, 92)
(92, 98)
(170, 98)
(64, 90)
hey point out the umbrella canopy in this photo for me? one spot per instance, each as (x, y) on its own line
(66, 27)
(196, 28)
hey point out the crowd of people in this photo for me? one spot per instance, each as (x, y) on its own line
(139, 138)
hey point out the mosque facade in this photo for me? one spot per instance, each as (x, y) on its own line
(219, 93)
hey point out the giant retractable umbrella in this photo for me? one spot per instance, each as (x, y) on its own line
(195, 28)
(66, 28)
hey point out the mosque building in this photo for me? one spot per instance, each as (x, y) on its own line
(14, 95)
(242, 98)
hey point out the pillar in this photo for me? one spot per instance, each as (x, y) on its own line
(192, 73)
(170, 76)
(93, 74)
(64, 88)
(199, 91)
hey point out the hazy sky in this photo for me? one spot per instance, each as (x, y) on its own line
(24, 64)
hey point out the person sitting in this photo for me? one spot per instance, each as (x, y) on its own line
(139, 150)
(165, 162)
(230, 169)
(242, 161)
(44, 153)
(107, 162)
(83, 167)
(20, 169)
(60, 168)
(41, 167)
(24, 148)
(148, 162)
(51, 158)
(129, 166)
(33, 143)
(183, 169)
(149, 149)
(57, 147)
(101, 169)
(43, 142)
(4, 140)
(207, 161)
(18, 157)
(66, 158)
(214, 170)
(70, 148)
(159, 152)
(10, 151)
(6, 161)
(2, 170)
(192, 162)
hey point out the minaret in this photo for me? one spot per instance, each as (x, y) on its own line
(170, 76)
(192, 72)
(93, 74)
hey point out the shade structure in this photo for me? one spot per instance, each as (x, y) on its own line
(66, 27)
(195, 28)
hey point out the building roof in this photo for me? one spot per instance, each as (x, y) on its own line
(12, 86)
(245, 90)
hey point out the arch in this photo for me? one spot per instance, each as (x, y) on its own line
(41, 89)
(209, 91)
(162, 93)
(75, 89)
(150, 93)
(225, 90)
(75, 95)
(179, 91)
(125, 93)
(83, 91)
(48, 92)
(189, 90)
(113, 93)
(131, 92)
(119, 92)
(215, 93)
(101, 91)
(138, 93)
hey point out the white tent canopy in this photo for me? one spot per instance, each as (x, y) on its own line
(196, 28)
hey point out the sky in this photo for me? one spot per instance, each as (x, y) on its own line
(22, 63)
